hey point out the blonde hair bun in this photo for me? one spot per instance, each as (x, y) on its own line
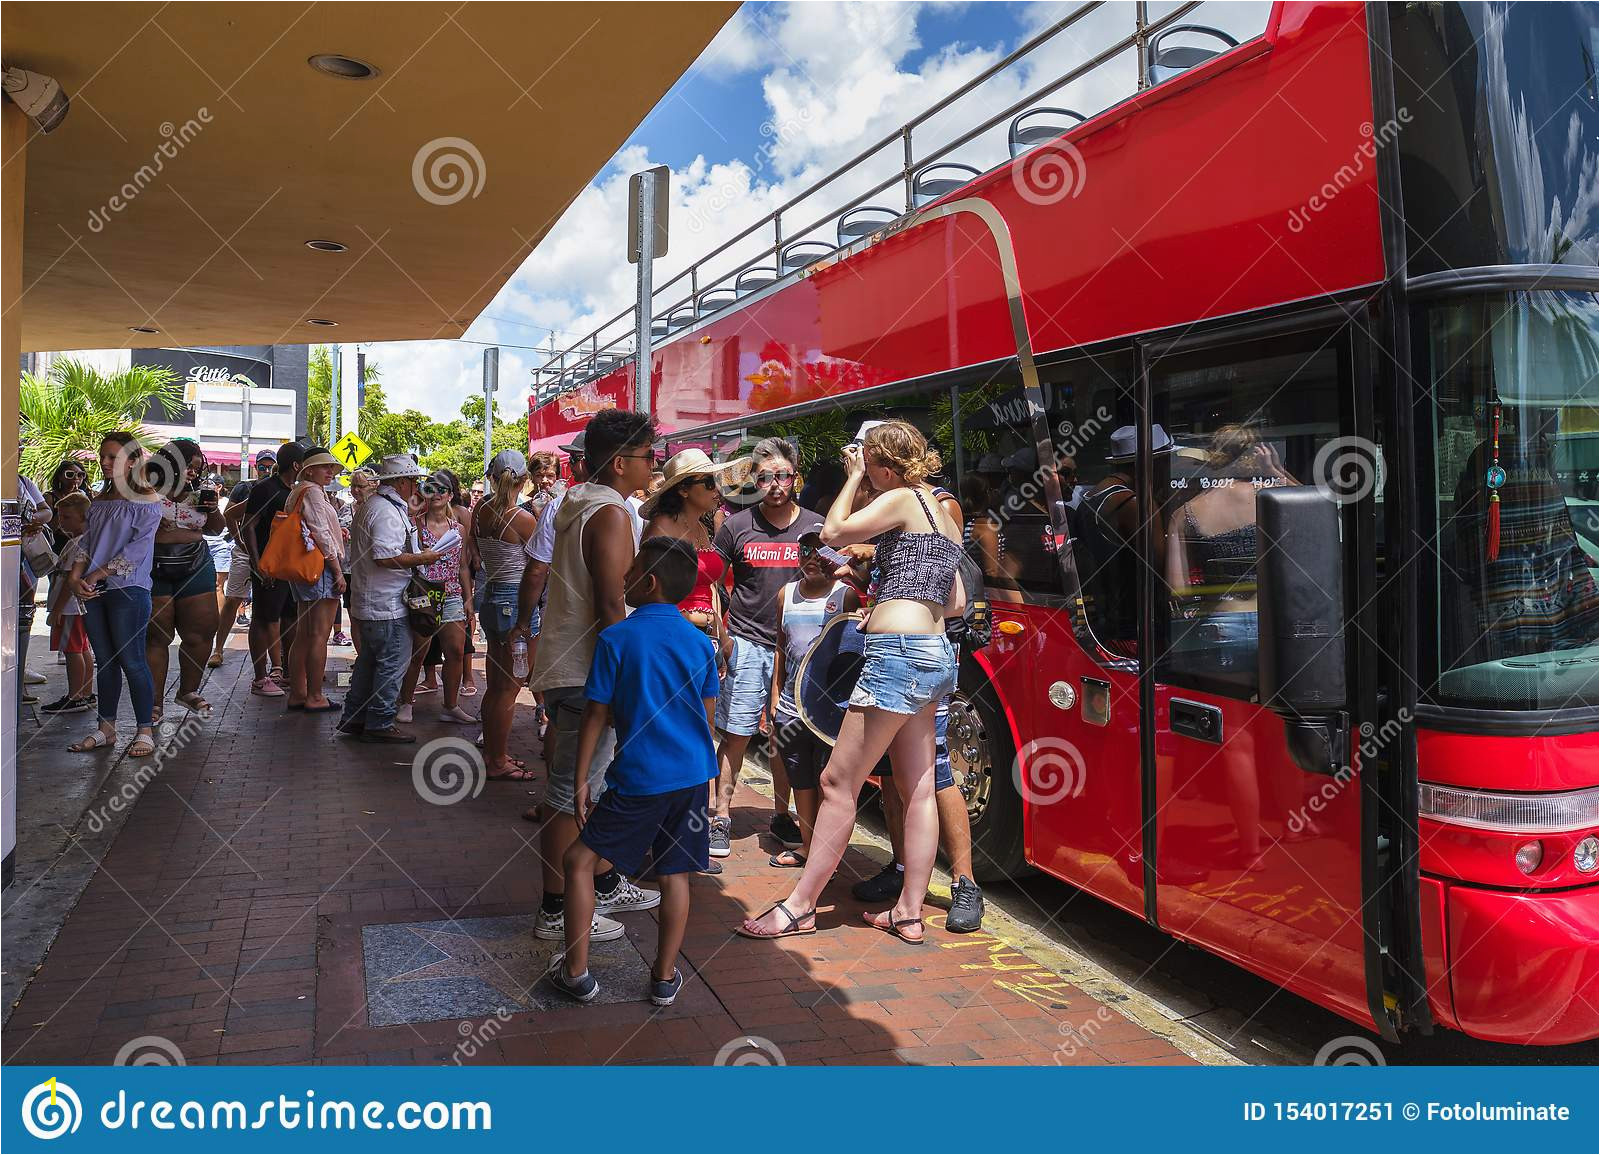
(900, 446)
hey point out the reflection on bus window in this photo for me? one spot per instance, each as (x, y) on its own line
(1515, 441)
(1243, 419)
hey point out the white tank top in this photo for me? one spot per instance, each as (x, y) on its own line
(803, 619)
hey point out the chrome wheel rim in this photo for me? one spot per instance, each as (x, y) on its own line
(967, 740)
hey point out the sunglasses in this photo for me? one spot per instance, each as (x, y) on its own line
(651, 456)
(782, 477)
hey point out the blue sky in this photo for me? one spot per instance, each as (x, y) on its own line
(783, 95)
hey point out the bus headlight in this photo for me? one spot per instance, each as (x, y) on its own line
(1586, 855)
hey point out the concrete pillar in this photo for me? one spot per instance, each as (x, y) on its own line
(13, 181)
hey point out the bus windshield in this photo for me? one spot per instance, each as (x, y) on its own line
(1516, 449)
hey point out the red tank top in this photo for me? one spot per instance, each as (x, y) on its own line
(712, 567)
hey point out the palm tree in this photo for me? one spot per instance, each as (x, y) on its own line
(68, 411)
(319, 390)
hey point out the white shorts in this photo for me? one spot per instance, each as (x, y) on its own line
(238, 584)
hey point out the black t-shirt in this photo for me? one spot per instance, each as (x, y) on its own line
(267, 497)
(240, 492)
(763, 558)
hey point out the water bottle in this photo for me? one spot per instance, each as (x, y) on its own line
(519, 660)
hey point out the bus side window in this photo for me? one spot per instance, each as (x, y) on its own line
(1229, 422)
(1004, 498)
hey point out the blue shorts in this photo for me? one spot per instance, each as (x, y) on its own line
(943, 778)
(746, 687)
(802, 752)
(904, 673)
(498, 614)
(201, 581)
(314, 591)
(671, 826)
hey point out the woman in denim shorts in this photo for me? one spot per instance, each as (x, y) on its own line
(909, 666)
(438, 518)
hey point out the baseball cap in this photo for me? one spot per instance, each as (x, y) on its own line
(574, 448)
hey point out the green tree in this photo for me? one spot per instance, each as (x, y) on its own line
(319, 392)
(69, 410)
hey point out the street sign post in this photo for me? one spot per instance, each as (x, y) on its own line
(647, 218)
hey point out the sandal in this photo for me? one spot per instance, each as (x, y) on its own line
(194, 702)
(142, 746)
(214, 661)
(93, 742)
(518, 771)
(792, 859)
(893, 926)
(533, 813)
(468, 690)
(791, 930)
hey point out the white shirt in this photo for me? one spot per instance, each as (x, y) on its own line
(380, 529)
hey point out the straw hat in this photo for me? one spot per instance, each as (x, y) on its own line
(396, 466)
(321, 457)
(680, 467)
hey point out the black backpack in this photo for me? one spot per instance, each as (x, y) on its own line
(974, 629)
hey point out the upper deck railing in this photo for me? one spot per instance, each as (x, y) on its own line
(1162, 48)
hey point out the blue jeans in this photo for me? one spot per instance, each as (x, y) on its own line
(116, 622)
(374, 692)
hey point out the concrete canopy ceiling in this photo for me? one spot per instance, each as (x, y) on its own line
(236, 152)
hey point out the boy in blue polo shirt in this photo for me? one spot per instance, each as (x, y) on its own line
(656, 675)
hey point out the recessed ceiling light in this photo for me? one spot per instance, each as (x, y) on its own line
(344, 67)
(326, 246)
(142, 329)
(321, 321)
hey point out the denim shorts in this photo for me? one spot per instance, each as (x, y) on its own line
(314, 591)
(943, 777)
(201, 581)
(498, 613)
(903, 673)
(746, 687)
(453, 609)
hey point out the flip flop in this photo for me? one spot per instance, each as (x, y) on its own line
(193, 702)
(332, 705)
(142, 746)
(93, 741)
(468, 691)
(519, 772)
(294, 705)
(894, 926)
(796, 859)
(214, 661)
(792, 929)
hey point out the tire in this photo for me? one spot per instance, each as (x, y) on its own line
(980, 742)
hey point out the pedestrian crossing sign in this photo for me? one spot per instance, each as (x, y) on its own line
(351, 451)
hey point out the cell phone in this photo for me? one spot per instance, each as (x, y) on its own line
(208, 499)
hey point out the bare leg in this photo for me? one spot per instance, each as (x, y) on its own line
(408, 684)
(499, 702)
(196, 620)
(730, 756)
(912, 756)
(864, 736)
(780, 779)
(672, 921)
(579, 864)
(805, 804)
(158, 643)
(454, 640)
(893, 816)
(955, 830)
(263, 640)
(311, 644)
(225, 619)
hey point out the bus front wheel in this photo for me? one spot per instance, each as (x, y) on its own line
(981, 757)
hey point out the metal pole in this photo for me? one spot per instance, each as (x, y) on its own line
(491, 382)
(641, 340)
(335, 388)
(361, 385)
(1141, 17)
(244, 433)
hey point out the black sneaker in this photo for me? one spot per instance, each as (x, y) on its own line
(887, 883)
(65, 705)
(721, 829)
(662, 994)
(786, 830)
(966, 906)
(583, 989)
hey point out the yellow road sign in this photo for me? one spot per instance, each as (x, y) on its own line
(351, 451)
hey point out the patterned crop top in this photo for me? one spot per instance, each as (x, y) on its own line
(917, 566)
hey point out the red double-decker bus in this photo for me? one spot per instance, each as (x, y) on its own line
(1269, 392)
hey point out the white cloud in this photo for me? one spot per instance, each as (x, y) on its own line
(835, 78)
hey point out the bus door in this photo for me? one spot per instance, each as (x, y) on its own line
(1257, 825)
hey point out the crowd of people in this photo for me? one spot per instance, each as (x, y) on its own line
(657, 612)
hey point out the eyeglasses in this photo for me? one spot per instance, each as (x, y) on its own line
(782, 477)
(651, 456)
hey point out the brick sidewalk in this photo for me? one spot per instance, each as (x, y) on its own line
(227, 919)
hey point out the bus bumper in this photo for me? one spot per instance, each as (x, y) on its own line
(1522, 965)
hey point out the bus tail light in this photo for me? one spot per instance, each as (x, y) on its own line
(1510, 813)
(1529, 856)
